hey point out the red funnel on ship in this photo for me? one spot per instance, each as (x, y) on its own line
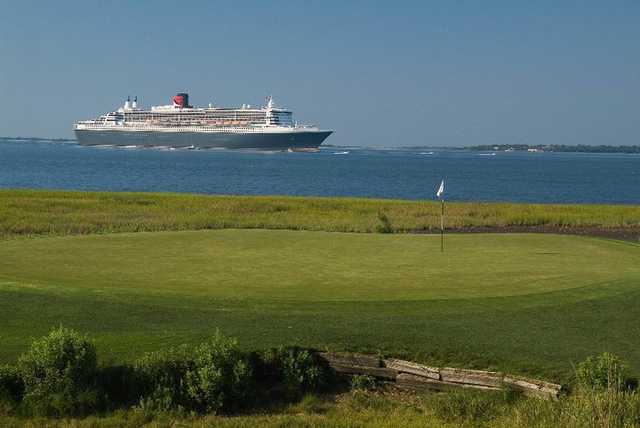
(181, 100)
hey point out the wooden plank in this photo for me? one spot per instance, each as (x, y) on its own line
(533, 387)
(413, 368)
(346, 359)
(420, 383)
(410, 375)
(379, 372)
(471, 377)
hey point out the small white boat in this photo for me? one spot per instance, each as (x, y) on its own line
(340, 153)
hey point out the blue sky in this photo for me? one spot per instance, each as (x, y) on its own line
(379, 73)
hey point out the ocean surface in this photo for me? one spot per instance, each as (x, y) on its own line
(374, 173)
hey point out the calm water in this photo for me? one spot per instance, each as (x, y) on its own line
(526, 177)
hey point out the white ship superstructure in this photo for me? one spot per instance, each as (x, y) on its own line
(179, 124)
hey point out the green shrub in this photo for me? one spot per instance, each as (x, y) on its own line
(59, 373)
(385, 223)
(160, 377)
(363, 383)
(11, 385)
(267, 372)
(212, 378)
(290, 372)
(220, 378)
(604, 371)
(120, 386)
(11, 389)
(302, 370)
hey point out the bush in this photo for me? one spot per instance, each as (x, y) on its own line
(290, 372)
(119, 386)
(385, 223)
(220, 379)
(11, 388)
(363, 383)
(59, 373)
(11, 385)
(604, 371)
(302, 370)
(59, 376)
(212, 378)
(160, 377)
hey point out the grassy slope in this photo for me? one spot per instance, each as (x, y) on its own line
(525, 303)
(25, 212)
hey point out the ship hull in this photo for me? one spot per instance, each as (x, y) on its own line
(255, 140)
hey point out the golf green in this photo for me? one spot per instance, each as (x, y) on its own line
(524, 302)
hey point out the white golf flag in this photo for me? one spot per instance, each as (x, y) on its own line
(440, 191)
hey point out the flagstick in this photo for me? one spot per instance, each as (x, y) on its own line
(442, 227)
(440, 195)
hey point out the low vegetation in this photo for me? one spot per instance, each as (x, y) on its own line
(217, 383)
(59, 376)
(37, 212)
(388, 410)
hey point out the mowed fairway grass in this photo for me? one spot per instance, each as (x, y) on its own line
(528, 303)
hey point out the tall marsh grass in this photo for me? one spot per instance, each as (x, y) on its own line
(37, 212)
(371, 409)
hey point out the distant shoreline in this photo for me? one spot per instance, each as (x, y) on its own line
(537, 148)
(558, 148)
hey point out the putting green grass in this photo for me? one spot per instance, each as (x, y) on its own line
(529, 303)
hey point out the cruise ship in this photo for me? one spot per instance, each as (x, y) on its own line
(181, 125)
